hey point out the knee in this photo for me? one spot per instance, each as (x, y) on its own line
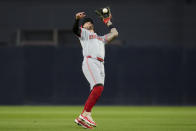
(99, 87)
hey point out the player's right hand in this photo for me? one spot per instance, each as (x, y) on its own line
(80, 15)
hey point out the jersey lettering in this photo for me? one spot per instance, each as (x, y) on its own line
(95, 37)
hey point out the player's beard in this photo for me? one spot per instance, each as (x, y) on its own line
(90, 27)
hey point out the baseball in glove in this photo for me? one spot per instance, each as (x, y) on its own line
(104, 14)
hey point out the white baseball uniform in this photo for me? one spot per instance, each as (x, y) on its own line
(93, 49)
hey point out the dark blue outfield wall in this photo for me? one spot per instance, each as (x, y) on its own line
(134, 76)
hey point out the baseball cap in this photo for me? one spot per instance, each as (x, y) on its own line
(87, 19)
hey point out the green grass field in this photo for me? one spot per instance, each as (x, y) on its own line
(108, 118)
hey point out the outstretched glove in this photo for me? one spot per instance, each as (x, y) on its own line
(104, 14)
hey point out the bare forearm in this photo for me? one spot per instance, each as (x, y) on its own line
(113, 32)
(112, 35)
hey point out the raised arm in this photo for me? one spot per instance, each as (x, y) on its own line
(76, 29)
(106, 16)
(113, 32)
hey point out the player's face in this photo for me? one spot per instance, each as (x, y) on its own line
(88, 26)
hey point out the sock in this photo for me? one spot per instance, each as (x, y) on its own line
(93, 97)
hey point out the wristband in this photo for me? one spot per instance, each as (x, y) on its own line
(110, 27)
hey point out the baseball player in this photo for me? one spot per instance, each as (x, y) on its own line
(93, 47)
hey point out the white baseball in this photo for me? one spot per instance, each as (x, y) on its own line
(105, 10)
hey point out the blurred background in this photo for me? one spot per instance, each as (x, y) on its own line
(153, 61)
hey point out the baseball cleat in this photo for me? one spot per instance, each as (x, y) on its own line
(88, 119)
(82, 124)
